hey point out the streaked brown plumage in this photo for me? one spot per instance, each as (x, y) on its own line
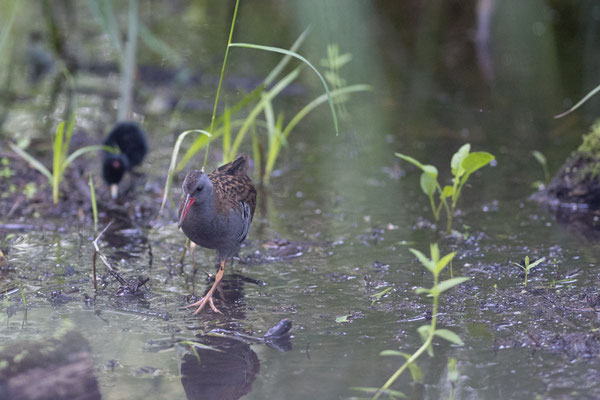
(216, 213)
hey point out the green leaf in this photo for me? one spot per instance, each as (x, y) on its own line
(440, 265)
(458, 158)
(424, 332)
(428, 184)
(422, 290)
(449, 336)
(414, 369)
(539, 157)
(32, 161)
(411, 160)
(386, 353)
(536, 262)
(429, 169)
(81, 151)
(520, 266)
(476, 160)
(448, 191)
(382, 293)
(424, 260)
(343, 318)
(450, 283)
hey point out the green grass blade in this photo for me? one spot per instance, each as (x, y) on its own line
(7, 28)
(282, 84)
(318, 101)
(201, 141)
(257, 153)
(286, 59)
(94, 203)
(299, 57)
(81, 151)
(32, 161)
(214, 113)
(580, 102)
(174, 161)
(56, 160)
(67, 141)
(276, 140)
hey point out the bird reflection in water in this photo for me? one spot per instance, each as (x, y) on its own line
(224, 366)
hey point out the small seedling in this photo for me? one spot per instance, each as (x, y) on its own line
(60, 161)
(435, 265)
(526, 266)
(462, 165)
(377, 296)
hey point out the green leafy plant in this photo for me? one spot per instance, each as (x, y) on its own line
(462, 165)
(526, 266)
(435, 265)
(60, 160)
(260, 101)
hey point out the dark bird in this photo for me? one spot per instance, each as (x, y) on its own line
(129, 141)
(216, 213)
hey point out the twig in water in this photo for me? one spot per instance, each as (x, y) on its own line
(111, 270)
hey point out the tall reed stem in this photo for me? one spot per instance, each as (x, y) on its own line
(214, 113)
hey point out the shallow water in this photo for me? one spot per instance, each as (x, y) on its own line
(350, 211)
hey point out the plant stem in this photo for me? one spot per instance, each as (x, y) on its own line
(417, 353)
(449, 221)
(436, 213)
(128, 62)
(212, 118)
